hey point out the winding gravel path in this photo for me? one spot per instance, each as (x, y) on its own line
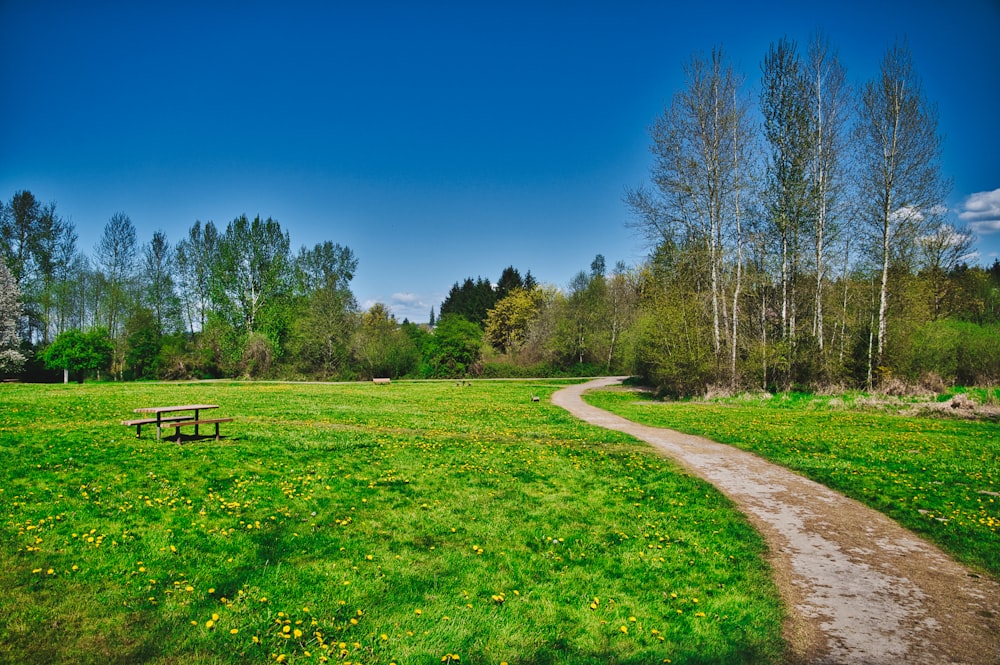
(859, 588)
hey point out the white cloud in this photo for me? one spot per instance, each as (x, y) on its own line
(981, 211)
(403, 305)
(406, 298)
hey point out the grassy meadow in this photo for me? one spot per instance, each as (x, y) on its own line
(939, 477)
(411, 523)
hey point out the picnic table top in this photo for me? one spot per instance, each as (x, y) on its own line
(167, 409)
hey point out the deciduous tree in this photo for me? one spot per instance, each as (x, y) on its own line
(899, 156)
(11, 358)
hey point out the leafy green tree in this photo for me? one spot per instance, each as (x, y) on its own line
(157, 281)
(195, 256)
(18, 226)
(79, 352)
(57, 260)
(327, 265)
(454, 349)
(507, 323)
(785, 104)
(380, 348)
(143, 343)
(116, 265)
(252, 272)
(320, 341)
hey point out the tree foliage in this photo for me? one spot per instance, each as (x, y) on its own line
(79, 352)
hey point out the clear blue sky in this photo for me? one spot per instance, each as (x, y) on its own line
(437, 140)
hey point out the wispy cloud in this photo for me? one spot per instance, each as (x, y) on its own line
(981, 211)
(403, 305)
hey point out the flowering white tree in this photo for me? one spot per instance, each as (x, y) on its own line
(11, 359)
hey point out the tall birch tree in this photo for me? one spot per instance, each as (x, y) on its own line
(901, 187)
(829, 106)
(784, 105)
(695, 173)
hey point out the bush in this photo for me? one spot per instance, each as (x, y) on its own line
(957, 351)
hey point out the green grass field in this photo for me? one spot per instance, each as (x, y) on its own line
(411, 523)
(938, 477)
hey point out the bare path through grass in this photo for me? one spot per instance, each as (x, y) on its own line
(859, 588)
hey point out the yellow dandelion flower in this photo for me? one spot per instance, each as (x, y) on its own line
(209, 624)
(297, 633)
(624, 629)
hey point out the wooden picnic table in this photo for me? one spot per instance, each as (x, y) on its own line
(176, 422)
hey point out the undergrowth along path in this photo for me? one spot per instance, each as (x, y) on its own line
(859, 588)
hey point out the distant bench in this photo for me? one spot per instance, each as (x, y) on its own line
(382, 381)
(177, 422)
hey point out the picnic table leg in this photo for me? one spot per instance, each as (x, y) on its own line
(216, 431)
(196, 422)
(158, 425)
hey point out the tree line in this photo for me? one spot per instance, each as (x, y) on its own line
(797, 238)
(233, 301)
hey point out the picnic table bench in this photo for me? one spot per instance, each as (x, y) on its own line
(178, 421)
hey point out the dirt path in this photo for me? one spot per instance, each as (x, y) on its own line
(859, 588)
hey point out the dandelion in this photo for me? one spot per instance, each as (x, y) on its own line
(624, 629)
(209, 624)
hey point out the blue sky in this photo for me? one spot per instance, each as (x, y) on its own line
(437, 140)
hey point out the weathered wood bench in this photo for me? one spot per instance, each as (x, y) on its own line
(138, 423)
(381, 381)
(203, 421)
